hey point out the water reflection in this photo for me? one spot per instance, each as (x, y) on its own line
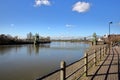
(36, 48)
(69, 45)
(6, 49)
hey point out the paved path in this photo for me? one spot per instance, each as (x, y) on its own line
(108, 68)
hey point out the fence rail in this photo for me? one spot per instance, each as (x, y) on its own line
(77, 69)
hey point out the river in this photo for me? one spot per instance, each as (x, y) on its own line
(27, 62)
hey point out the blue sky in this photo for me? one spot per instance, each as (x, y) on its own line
(59, 17)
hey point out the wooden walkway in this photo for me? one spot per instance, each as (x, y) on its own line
(108, 68)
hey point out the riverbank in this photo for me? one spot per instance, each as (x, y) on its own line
(22, 42)
(9, 40)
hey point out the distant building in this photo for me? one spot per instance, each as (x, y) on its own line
(99, 39)
(85, 39)
(112, 38)
(29, 36)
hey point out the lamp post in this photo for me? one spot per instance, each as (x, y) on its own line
(109, 36)
(109, 27)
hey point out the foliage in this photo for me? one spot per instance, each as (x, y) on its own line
(94, 36)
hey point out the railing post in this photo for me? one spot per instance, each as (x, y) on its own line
(100, 54)
(95, 57)
(86, 64)
(63, 71)
(103, 51)
(106, 50)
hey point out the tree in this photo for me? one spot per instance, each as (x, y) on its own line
(94, 38)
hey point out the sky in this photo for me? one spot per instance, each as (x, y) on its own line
(56, 18)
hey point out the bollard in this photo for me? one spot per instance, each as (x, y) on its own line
(63, 71)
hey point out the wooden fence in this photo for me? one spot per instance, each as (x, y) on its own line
(79, 68)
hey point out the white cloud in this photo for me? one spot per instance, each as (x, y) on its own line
(69, 25)
(42, 2)
(12, 25)
(81, 7)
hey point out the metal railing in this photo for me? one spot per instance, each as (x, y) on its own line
(79, 68)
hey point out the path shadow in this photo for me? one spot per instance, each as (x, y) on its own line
(113, 51)
(118, 63)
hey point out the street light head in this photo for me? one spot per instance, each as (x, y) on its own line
(110, 22)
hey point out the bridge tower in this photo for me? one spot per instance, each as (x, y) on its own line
(36, 39)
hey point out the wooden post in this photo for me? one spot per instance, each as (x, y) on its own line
(106, 50)
(86, 64)
(63, 71)
(95, 57)
(103, 51)
(100, 54)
